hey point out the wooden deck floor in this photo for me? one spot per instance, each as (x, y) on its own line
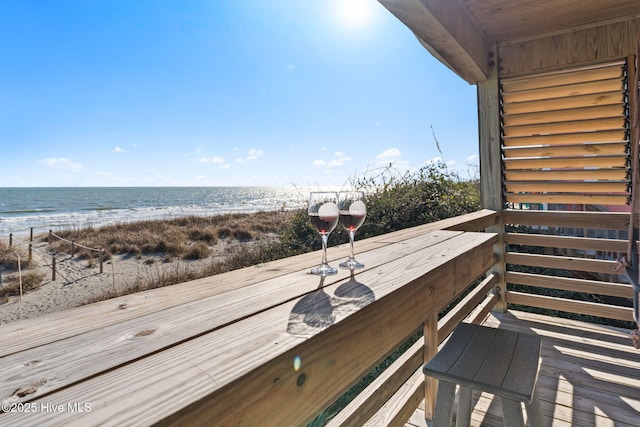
(590, 374)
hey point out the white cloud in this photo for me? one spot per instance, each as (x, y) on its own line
(118, 150)
(254, 153)
(214, 160)
(472, 158)
(389, 155)
(339, 159)
(393, 157)
(62, 163)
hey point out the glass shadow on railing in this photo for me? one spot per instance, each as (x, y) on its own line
(318, 310)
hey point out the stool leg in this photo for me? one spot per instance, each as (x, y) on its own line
(444, 404)
(512, 413)
(464, 407)
(534, 412)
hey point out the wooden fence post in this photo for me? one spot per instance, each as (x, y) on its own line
(53, 268)
(101, 259)
(31, 235)
(10, 239)
(30, 251)
(50, 237)
(72, 248)
(20, 277)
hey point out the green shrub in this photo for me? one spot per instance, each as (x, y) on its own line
(396, 201)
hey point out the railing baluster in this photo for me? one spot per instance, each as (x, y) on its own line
(430, 350)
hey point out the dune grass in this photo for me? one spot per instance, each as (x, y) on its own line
(10, 284)
(188, 238)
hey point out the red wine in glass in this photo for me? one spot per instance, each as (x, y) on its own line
(353, 211)
(323, 224)
(324, 214)
(351, 222)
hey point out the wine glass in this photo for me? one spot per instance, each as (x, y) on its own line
(323, 213)
(353, 210)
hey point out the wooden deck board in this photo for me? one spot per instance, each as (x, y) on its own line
(207, 364)
(590, 374)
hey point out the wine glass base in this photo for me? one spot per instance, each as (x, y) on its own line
(324, 270)
(351, 264)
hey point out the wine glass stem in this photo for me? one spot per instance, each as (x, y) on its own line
(352, 234)
(325, 239)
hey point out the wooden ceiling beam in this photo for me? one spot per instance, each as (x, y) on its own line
(448, 32)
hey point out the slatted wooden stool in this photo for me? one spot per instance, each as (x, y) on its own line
(504, 363)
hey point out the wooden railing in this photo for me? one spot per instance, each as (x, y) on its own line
(575, 252)
(393, 396)
(218, 351)
(255, 346)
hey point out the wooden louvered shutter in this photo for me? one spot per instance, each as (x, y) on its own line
(565, 136)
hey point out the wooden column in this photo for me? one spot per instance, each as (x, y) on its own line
(491, 162)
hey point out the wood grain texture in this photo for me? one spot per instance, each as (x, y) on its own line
(30, 333)
(563, 198)
(620, 290)
(563, 262)
(571, 306)
(225, 375)
(567, 242)
(588, 374)
(125, 341)
(595, 220)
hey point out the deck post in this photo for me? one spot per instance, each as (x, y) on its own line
(430, 350)
(491, 164)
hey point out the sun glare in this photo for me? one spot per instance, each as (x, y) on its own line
(355, 13)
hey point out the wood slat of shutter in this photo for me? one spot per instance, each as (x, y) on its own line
(567, 175)
(566, 150)
(588, 199)
(563, 91)
(610, 123)
(568, 187)
(567, 162)
(555, 116)
(617, 135)
(560, 78)
(581, 101)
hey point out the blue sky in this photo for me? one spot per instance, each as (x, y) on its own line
(221, 92)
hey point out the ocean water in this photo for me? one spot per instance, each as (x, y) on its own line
(48, 208)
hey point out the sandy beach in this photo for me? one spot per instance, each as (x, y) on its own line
(78, 283)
